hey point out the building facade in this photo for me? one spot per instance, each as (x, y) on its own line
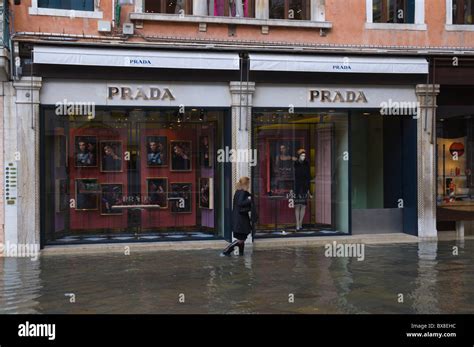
(131, 121)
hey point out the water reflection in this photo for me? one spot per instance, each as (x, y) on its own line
(20, 285)
(424, 295)
(430, 276)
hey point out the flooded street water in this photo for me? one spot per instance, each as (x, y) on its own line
(428, 275)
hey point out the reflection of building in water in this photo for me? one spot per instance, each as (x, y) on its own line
(20, 285)
(343, 282)
(425, 294)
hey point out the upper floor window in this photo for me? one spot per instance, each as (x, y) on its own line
(394, 11)
(169, 6)
(79, 5)
(227, 8)
(289, 9)
(463, 11)
(231, 8)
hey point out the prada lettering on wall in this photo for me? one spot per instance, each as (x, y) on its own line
(337, 96)
(139, 93)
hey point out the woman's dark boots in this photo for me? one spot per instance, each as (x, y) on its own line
(228, 250)
(241, 246)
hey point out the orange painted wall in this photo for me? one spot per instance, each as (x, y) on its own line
(347, 17)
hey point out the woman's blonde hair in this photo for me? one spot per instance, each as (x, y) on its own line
(243, 182)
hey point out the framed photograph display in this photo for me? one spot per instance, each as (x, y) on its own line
(156, 151)
(280, 160)
(85, 151)
(87, 194)
(111, 154)
(181, 197)
(181, 155)
(206, 193)
(157, 191)
(111, 195)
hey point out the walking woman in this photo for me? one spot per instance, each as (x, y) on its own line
(242, 208)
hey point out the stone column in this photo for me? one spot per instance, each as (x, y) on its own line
(242, 95)
(262, 9)
(22, 146)
(426, 150)
(2, 168)
(242, 99)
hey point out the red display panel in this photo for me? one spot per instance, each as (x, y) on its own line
(85, 170)
(178, 174)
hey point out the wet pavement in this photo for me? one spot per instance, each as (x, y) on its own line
(428, 275)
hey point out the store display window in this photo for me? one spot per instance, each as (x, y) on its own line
(301, 180)
(455, 154)
(128, 174)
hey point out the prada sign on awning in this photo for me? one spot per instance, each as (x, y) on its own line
(126, 93)
(337, 96)
(164, 59)
(139, 93)
(337, 64)
(332, 96)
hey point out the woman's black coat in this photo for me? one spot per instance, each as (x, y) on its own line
(242, 205)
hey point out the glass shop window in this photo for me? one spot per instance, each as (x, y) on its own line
(301, 180)
(455, 149)
(132, 175)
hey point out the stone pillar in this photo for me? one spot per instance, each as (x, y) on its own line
(2, 168)
(262, 9)
(22, 146)
(242, 99)
(426, 151)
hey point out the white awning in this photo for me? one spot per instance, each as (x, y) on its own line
(339, 64)
(135, 58)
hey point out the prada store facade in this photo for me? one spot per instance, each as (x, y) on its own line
(359, 164)
(145, 159)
